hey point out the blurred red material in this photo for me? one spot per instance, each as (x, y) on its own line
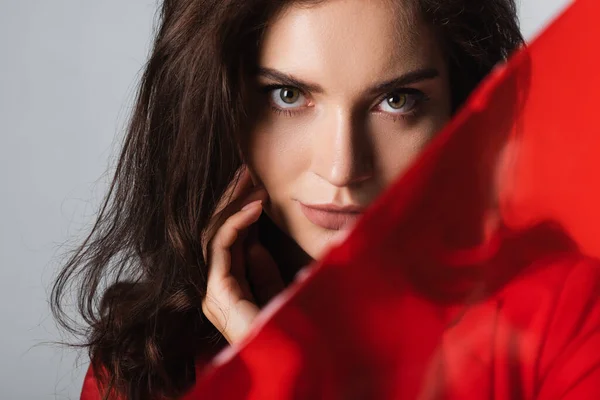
(474, 276)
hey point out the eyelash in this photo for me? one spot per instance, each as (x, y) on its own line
(287, 113)
(421, 97)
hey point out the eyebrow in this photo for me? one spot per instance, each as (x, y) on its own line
(408, 78)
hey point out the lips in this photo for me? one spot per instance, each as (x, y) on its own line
(330, 216)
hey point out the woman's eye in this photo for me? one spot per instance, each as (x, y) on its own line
(400, 103)
(288, 97)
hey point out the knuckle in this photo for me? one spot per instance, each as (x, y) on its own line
(207, 313)
(215, 244)
(207, 310)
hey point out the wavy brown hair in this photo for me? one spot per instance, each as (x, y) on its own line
(139, 276)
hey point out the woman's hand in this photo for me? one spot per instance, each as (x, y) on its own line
(237, 262)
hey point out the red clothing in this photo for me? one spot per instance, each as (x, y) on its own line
(536, 338)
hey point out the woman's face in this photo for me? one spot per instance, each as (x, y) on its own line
(349, 92)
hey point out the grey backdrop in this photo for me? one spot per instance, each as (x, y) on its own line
(67, 75)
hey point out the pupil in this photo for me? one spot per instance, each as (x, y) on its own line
(397, 100)
(288, 95)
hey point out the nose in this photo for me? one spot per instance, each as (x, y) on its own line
(341, 151)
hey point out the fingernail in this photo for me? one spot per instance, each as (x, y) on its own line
(251, 205)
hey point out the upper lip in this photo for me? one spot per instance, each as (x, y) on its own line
(330, 207)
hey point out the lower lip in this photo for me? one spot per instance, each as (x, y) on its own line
(329, 219)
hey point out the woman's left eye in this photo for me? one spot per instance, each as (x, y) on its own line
(287, 98)
(401, 102)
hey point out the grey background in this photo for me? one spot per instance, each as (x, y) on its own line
(68, 72)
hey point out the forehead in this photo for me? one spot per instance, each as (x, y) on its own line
(340, 40)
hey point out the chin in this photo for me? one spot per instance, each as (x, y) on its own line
(318, 244)
(316, 251)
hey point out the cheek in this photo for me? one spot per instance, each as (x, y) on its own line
(277, 155)
(398, 144)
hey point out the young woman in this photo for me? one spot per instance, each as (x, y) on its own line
(260, 133)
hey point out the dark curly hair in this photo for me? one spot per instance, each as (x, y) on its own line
(140, 275)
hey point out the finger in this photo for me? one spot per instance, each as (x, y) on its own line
(263, 273)
(218, 220)
(228, 233)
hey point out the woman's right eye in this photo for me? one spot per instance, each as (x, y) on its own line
(288, 98)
